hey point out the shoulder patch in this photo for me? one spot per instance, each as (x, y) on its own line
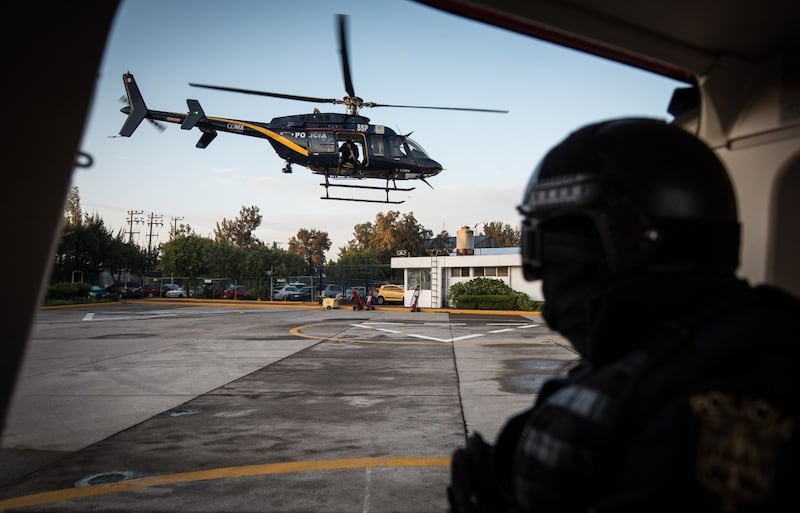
(737, 446)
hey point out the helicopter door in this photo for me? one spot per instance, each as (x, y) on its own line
(352, 153)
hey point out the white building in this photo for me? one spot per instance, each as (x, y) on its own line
(435, 274)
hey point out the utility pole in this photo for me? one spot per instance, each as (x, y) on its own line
(153, 220)
(132, 219)
(174, 233)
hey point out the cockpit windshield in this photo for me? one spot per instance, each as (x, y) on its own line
(405, 147)
(415, 149)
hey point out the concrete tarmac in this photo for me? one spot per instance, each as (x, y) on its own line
(178, 406)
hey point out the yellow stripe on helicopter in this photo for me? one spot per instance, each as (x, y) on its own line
(269, 133)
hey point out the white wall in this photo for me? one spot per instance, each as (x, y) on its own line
(501, 257)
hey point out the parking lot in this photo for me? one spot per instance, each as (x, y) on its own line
(154, 405)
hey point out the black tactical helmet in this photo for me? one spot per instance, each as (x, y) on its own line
(657, 196)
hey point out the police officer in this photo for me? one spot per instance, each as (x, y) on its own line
(686, 396)
(348, 154)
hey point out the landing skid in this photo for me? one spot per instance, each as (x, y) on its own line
(387, 188)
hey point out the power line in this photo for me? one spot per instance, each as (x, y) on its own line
(174, 233)
(153, 220)
(132, 219)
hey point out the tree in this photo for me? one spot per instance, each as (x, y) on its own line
(125, 257)
(502, 235)
(257, 261)
(410, 235)
(287, 263)
(311, 246)
(181, 230)
(390, 232)
(88, 247)
(97, 243)
(191, 255)
(82, 247)
(358, 267)
(72, 208)
(239, 232)
(441, 242)
(363, 236)
(85, 246)
(352, 256)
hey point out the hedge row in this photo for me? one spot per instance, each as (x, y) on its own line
(498, 302)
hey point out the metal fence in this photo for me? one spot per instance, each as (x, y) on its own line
(212, 287)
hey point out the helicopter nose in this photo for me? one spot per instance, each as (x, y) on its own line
(433, 168)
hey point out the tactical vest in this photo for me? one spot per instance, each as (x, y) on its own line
(561, 459)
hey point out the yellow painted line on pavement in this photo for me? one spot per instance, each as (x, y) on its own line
(66, 494)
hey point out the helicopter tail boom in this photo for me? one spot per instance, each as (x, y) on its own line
(136, 108)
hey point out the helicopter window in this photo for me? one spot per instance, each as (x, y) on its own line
(376, 145)
(322, 142)
(398, 148)
(416, 149)
(362, 154)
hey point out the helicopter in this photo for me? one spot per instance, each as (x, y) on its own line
(338, 146)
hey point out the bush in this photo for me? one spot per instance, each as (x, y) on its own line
(67, 291)
(480, 287)
(490, 294)
(487, 302)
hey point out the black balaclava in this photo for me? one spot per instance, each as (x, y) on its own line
(569, 284)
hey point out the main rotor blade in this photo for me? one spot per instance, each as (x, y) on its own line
(266, 93)
(348, 82)
(370, 104)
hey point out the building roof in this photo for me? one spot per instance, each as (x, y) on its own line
(493, 251)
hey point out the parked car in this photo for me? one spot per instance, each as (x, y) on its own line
(302, 294)
(282, 293)
(151, 290)
(361, 290)
(98, 292)
(206, 291)
(166, 287)
(125, 289)
(238, 292)
(176, 292)
(332, 291)
(390, 294)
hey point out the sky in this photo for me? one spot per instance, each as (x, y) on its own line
(401, 52)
